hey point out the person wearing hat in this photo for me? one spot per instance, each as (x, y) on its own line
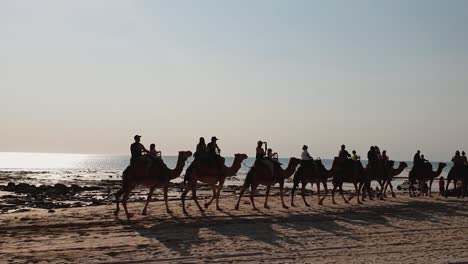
(305, 153)
(137, 149)
(213, 148)
(214, 152)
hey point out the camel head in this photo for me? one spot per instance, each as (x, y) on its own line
(442, 165)
(294, 162)
(403, 165)
(240, 157)
(184, 155)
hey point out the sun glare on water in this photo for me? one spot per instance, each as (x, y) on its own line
(14, 160)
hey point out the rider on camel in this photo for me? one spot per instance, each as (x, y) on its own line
(344, 154)
(201, 149)
(260, 157)
(306, 158)
(154, 156)
(214, 153)
(137, 150)
(384, 156)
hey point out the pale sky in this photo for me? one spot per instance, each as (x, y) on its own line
(85, 76)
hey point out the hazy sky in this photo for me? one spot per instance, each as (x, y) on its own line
(85, 76)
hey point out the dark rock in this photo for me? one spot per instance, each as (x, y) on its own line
(10, 187)
(51, 211)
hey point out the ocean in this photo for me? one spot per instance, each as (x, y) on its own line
(84, 169)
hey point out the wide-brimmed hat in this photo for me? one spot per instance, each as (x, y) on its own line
(214, 138)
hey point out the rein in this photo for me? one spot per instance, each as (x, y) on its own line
(246, 165)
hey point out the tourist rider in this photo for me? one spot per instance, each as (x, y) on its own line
(305, 153)
(384, 156)
(344, 154)
(154, 156)
(371, 155)
(201, 150)
(355, 157)
(260, 156)
(214, 153)
(457, 159)
(465, 160)
(423, 159)
(417, 158)
(137, 150)
(377, 152)
(200, 154)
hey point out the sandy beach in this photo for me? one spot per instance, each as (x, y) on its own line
(398, 230)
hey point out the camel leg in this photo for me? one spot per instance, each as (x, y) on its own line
(166, 190)
(182, 197)
(430, 187)
(213, 187)
(381, 184)
(368, 190)
(282, 197)
(244, 188)
(124, 204)
(446, 187)
(357, 193)
(117, 198)
(253, 187)
(266, 197)
(326, 192)
(148, 200)
(194, 197)
(351, 197)
(293, 190)
(303, 194)
(391, 189)
(319, 201)
(220, 188)
(384, 192)
(335, 185)
(342, 194)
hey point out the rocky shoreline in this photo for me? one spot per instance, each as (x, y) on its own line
(23, 196)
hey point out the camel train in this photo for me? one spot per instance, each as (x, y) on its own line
(213, 173)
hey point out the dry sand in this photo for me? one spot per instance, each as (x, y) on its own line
(398, 230)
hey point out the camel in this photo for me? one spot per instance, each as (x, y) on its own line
(457, 174)
(424, 174)
(261, 174)
(159, 175)
(210, 176)
(313, 172)
(394, 172)
(351, 173)
(379, 171)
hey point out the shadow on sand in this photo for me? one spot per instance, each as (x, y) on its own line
(180, 234)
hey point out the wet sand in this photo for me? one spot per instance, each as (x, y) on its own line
(398, 230)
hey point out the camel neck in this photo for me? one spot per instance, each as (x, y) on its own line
(398, 170)
(178, 169)
(289, 170)
(235, 167)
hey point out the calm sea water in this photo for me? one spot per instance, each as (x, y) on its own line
(49, 168)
